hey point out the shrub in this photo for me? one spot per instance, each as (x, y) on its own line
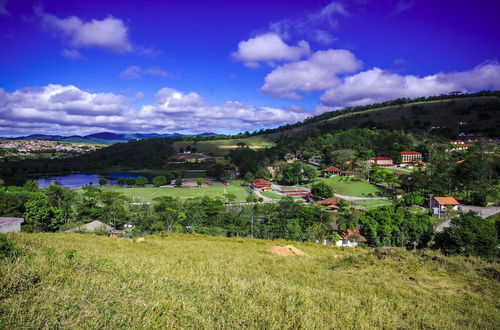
(7, 247)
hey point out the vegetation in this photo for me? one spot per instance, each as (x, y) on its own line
(207, 282)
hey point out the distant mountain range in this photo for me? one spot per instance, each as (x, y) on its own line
(102, 138)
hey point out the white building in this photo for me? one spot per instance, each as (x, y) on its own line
(10, 225)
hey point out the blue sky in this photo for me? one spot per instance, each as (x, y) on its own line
(72, 67)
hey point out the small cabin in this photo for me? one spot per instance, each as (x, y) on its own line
(10, 225)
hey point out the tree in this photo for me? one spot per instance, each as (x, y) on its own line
(167, 210)
(199, 182)
(230, 198)
(321, 190)
(121, 181)
(178, 182)
(413, 198)
(102, 181)
(159, 180)
(141, 181)
(31, 185)
(130, 181)
(346, 221)
(249, 177)
(469, 234)
(40, 216)
(241, 144)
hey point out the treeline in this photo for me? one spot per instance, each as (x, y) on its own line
(57, 209)
(153, 153)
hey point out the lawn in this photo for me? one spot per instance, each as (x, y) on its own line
(83, 281)
(222, 147)
(148, 193)
(349, 186)
(372, 203)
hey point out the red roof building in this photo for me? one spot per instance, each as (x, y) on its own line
(382, 161)
(332, 170)
(261, 184)
(410, 156)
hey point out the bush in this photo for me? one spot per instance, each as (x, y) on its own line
(7, 247)
(321, 190)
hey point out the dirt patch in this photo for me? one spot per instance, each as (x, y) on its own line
(288, 250)
(236, 147)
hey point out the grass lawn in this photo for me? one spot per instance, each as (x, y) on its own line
(349, 187)
(84, 281)
(272, 194)
(147, 194)
(372, 203)
(212, 146)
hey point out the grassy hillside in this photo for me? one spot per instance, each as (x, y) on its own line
(469, 114)
(86, 281)
(222, 147)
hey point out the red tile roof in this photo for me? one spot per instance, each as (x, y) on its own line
(332, 169)
(381, 158)
(410, 153)
(448, 200)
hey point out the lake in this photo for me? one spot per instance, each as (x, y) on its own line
(78, 180)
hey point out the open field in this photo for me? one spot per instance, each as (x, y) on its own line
(372, 203)
(147, 194)
(222, 147)
(191, 281)
(350, 187)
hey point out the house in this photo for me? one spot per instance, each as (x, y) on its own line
(261, 184)
(348, 173)
(10, 225)
(439, 205)
(350, 238)
(274, 169)
(331, 170)
(382, 161)
(458, 147)
(232, 172)
(331, 203)
(410, 156)
(95, 226)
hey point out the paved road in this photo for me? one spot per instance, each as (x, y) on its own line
(483, 211)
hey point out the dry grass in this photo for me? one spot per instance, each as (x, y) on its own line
(191, 281)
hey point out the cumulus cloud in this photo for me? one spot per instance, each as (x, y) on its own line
(269, 48)
(378, 85)
(69, 110)
(135, 72)
(319, 72)
(109, 33)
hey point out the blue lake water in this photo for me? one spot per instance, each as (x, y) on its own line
(78, 180)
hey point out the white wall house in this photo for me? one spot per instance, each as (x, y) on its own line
(10, 225)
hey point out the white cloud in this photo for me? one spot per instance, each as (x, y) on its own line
(377, 85)
(58, 109)
(3, 8)
(269, 48)
(319, 72)
(135, 72)
(317, 25)
(72, 54)
(109, 33)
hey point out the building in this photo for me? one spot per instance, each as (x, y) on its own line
(459, 146)
(350, 238)
(261, 184)
(348, 173)
(331, 170)
(439, 205)
(95, 226)
(411, 156)
(274, 168)
(10, 225)
(382, 161)
(331, 203)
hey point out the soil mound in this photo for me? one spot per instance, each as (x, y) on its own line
(288, 250)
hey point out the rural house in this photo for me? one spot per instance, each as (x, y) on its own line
(331, 170)
(261, 184)
(439, 205)
(10, 225)
(382, 161)
(350, 238)
(95, 226)
(410, 156)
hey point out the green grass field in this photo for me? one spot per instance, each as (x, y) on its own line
(84, 281)
(372, 203)
(349, 187)
(148, 193)
(212, 146)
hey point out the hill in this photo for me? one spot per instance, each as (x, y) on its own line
(468, 113)
(191, 281)
(103, 137)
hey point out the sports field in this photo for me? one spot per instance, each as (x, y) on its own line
(348, 186)
(149, 193)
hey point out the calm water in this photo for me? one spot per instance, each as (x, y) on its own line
(78, 180)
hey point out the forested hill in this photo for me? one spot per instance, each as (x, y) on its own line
(152, 153)
(470, 113)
